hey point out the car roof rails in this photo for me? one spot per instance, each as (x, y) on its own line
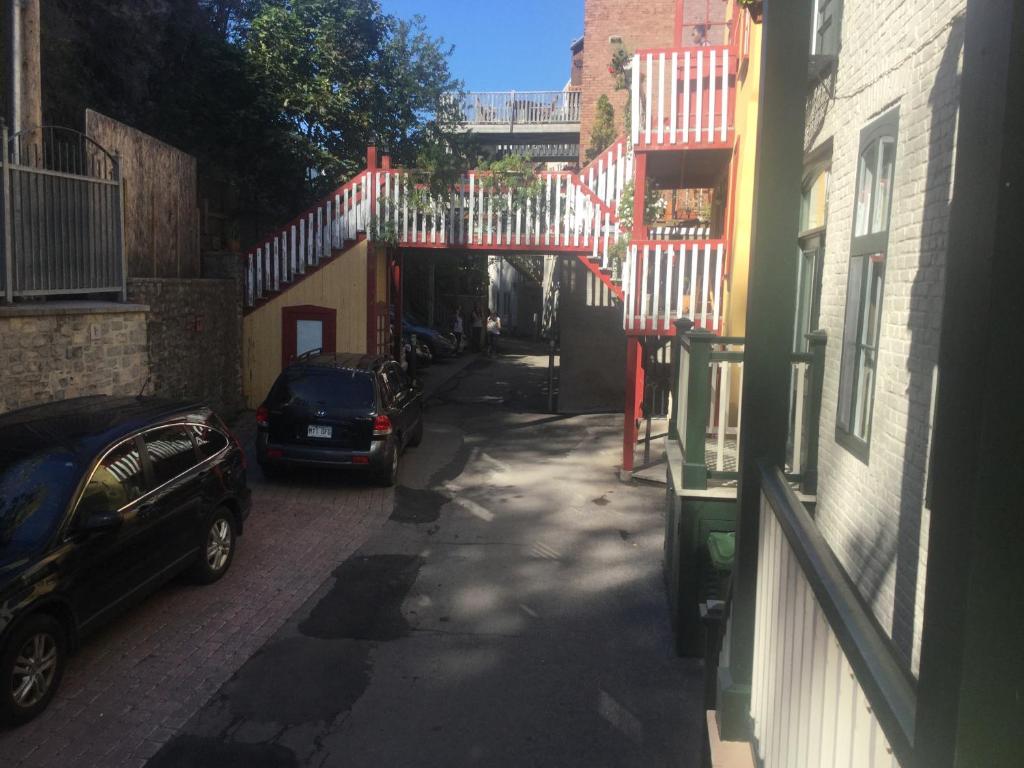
(316, 352)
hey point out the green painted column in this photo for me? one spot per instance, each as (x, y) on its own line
(771, 309)
(695, 470)
(816, 384)
(971, 685)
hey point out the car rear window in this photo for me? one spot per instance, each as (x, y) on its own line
(348, 389)
(34, 492)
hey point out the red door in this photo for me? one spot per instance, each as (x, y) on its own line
(307, 328)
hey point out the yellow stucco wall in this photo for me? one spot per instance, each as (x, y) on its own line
(748, 88)
(340, 285)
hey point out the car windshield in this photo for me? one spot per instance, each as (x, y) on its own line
(34, 492)
(309, 386)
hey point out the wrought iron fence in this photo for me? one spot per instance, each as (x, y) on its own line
(62, 205)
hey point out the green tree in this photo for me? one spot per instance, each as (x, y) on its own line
(602, 134)
(345, 75)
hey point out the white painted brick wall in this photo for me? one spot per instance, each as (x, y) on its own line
(905, 53)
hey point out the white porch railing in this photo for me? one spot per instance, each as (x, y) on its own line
(560, 213)
(682, 96)
(309, 239)
(609, 173)
(665, 281)
(826, 688)
(521, 108)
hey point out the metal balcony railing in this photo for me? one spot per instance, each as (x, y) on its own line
(521, 108)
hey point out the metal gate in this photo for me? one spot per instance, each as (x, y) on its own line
(62, 204)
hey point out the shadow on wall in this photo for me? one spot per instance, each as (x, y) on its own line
(904, 550)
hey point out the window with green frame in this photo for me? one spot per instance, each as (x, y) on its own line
(864, 289)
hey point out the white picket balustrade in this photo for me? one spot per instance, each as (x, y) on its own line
(701, 114)
(666, 281)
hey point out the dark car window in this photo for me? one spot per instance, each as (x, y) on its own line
(117, 481)
(34, 492)
(170, 451)
(209, 441)
(394, 383)
(326, 386)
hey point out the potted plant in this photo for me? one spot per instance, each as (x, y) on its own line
(755, 8)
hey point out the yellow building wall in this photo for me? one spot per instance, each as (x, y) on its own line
(340, 285)
(747, 91)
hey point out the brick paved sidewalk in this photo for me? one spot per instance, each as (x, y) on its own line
(139, 680)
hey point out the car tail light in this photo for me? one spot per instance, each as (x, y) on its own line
(262, 416)
(360, 459)
(275, 453)
(382, 426)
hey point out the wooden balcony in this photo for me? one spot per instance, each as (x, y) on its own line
(665, 281)
(683, 97)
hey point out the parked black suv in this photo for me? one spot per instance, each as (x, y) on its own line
(102, 499)
(340, 410)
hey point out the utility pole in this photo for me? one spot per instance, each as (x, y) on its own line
(25, 80)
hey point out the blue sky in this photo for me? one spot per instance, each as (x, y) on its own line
(501, 45)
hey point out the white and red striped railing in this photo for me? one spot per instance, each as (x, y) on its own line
(307, 240)
(561, 214)
(683, 96)
(666, 281)
(609, 173)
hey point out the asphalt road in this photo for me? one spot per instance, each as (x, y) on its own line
(509, 612)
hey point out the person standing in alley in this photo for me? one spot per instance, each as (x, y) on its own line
(457, 330)
(493, 332)
(476, 320)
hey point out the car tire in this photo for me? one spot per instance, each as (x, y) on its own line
(217, 548)
(41, 642)
(388, 477)
(417, 435)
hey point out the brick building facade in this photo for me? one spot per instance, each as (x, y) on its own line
(872, 508)
(612, 24)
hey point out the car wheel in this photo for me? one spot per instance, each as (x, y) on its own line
(417, 436)
(389, 476)
(218, 547)
(31, 668)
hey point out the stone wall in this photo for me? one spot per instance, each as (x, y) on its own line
(195, 338)
(873, 513)
(59, 350)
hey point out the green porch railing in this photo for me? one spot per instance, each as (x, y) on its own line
(706, 418)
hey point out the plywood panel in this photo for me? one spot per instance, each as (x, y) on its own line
(161, 214)
(339, 285)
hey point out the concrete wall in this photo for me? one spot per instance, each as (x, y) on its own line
(195, 338)
(593, 344)
(61, 350)
(873, 513)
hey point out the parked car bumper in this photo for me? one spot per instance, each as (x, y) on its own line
(269, 453)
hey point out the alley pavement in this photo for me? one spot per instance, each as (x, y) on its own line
(502, 606)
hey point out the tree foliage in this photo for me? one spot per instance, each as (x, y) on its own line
(602, 134)
(276, 98)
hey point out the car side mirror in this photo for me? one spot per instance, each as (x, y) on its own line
(99, 521)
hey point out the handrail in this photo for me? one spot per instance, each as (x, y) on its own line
(878, 669)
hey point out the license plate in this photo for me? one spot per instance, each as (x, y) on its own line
(315, 431)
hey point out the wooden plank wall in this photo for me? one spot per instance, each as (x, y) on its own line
(339, 285)
(161, 213)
